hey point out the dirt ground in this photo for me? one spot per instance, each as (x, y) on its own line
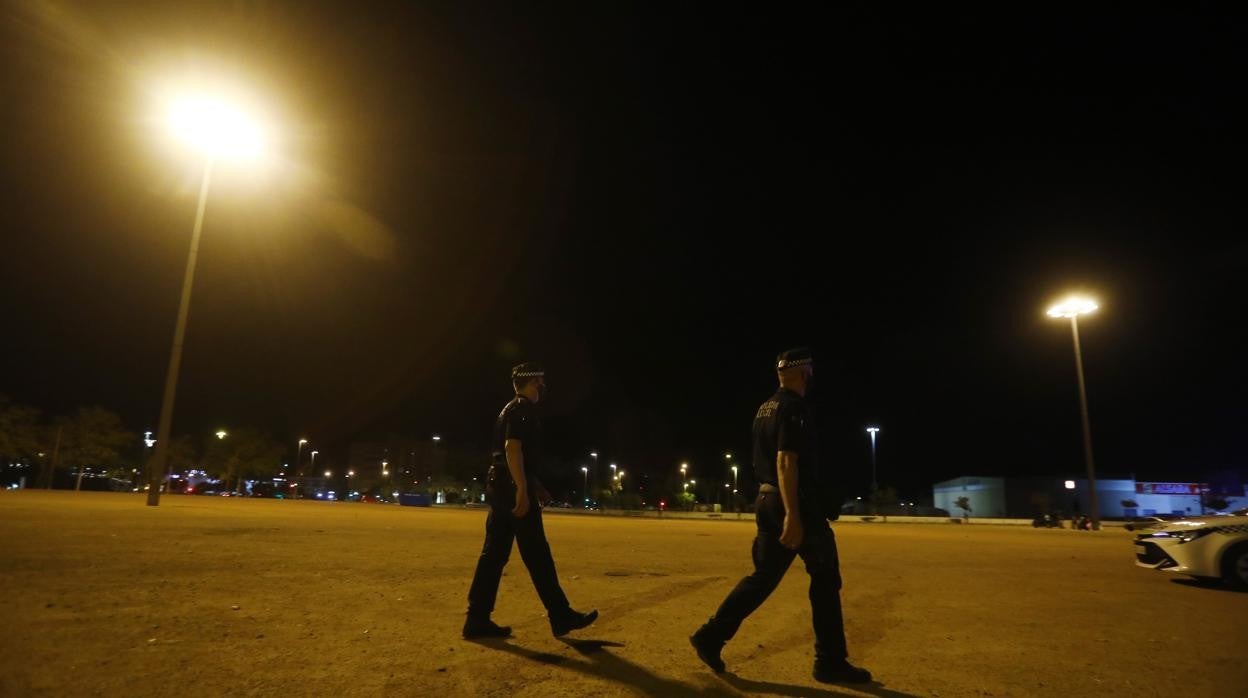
(218, 596)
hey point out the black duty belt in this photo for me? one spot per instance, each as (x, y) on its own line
(768, 488)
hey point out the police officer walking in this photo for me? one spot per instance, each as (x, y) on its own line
(515, 496)
(792, 511)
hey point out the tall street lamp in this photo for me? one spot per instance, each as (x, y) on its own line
(312, 465)
(299, 464)
(1072, 307)
(215, 130)
(594, 455)
(585, 472)
(874, 485)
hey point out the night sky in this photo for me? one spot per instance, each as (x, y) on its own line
(652, 205)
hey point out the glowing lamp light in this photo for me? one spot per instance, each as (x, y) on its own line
(1073, 306)
(216, 128)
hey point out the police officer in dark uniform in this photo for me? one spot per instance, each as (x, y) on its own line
(794, 504)
(515, 496)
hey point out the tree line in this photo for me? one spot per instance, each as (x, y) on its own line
(93, 442)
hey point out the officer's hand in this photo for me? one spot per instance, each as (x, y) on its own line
(522, 505)
(791, 534)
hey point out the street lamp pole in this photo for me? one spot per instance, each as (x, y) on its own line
(874, 484)
(1072, 308)
(594, 455)
(299, 464)
(585, 472)
(157, 468)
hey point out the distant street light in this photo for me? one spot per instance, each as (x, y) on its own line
(734, 488)
(874, 485)
(298, 463)
(221, 434)
(1072, 307)
(585, 472)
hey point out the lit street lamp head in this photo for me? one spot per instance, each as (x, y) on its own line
(221, 434)
(216, 128)
(1073, 306)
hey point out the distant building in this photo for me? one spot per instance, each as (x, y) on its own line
(407, 457)
(998, 497)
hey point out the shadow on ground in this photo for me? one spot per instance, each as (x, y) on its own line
(785, 689)
(1210, 584)
(604, 664)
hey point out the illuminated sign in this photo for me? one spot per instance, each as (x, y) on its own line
(1188, 488)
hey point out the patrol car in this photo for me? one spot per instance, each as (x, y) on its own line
(1211, 547)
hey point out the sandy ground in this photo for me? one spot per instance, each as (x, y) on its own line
(217, 596)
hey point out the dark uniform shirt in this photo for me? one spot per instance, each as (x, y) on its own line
(519, 421)
(786, 422)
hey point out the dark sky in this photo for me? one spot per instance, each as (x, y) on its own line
(652, 205)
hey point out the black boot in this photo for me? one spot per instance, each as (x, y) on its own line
(839, 671)
(568, 620)
(479, 628)
(708, 648)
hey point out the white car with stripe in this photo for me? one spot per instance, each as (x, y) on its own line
(1211, 547)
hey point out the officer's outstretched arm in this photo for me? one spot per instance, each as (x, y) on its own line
(786, 470)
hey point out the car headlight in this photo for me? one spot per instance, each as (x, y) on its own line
(1184, 536)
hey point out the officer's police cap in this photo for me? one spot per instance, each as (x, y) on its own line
(794, 357)
(528, 369)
